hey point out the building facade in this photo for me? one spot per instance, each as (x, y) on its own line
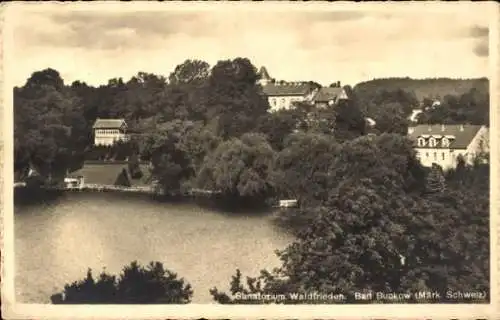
(284, 95)
(281, 94)
(109, 131)
(328, 96)
(445, 144)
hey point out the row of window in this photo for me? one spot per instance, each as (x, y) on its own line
(274, 101)
(470, 156)
(106, 131)
(433, 142)
(435, 154)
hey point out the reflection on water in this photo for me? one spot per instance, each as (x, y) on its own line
(56, 242)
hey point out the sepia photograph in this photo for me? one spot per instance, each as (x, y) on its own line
(273, 157)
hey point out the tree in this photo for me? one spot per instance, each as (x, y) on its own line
(123, 179)
(48, 126)
(277, 126)
(46, 77)
(136, 285)
(349, 120)
(163, 146)
(436, 182)
(190, 72)
(234, 98)
(198, 142)
(240, 168)
(134, 168)
(391, 118)
(471, 107)
(302, 166)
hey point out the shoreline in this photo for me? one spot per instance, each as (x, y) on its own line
(213, 200)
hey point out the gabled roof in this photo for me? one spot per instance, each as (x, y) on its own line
(287, 89)
(107, 173)
(327, 94)
(463, 134)
(109, 123)
(263, 74)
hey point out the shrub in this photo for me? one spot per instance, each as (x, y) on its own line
(136, 285)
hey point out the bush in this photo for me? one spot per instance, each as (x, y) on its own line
(136, 285)
(123, 179)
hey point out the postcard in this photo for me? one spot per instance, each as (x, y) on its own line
(236, 160)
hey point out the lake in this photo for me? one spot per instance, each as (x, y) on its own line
(57, 241)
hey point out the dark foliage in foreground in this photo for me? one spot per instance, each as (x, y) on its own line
(135, 285)
(380, 226)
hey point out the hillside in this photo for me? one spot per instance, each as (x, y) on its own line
(423, 88)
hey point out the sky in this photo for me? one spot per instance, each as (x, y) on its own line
(320, 43)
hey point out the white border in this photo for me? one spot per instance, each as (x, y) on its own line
(11, 310)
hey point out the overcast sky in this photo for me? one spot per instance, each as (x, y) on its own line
(348, 45)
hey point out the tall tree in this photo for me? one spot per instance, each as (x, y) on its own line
(234, 98)
(48, 124)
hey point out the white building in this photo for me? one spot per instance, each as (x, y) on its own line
(443, 144)
(108, 131)
(281, 94)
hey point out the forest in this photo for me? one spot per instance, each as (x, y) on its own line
(370, 217)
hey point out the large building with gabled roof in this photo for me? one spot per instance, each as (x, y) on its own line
(281, 94)
(444, 144)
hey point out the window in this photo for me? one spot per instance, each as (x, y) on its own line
(427, 154)
(282, 101)
(417, 155)
(273, 102)
(432, 142)
(443, 155)
(445, 142)
(421, 142)
(435, 156)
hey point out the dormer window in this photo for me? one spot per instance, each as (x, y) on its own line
(432, 142)
(421, 142)
(445, 142)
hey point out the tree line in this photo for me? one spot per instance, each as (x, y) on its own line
(370, 217)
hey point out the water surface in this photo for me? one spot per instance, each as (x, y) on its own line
(56, 242)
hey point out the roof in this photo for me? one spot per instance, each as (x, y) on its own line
(326, 94)
(109, 123)
(287, 89)
(263, 74)
(462, 138)
(106, 173)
